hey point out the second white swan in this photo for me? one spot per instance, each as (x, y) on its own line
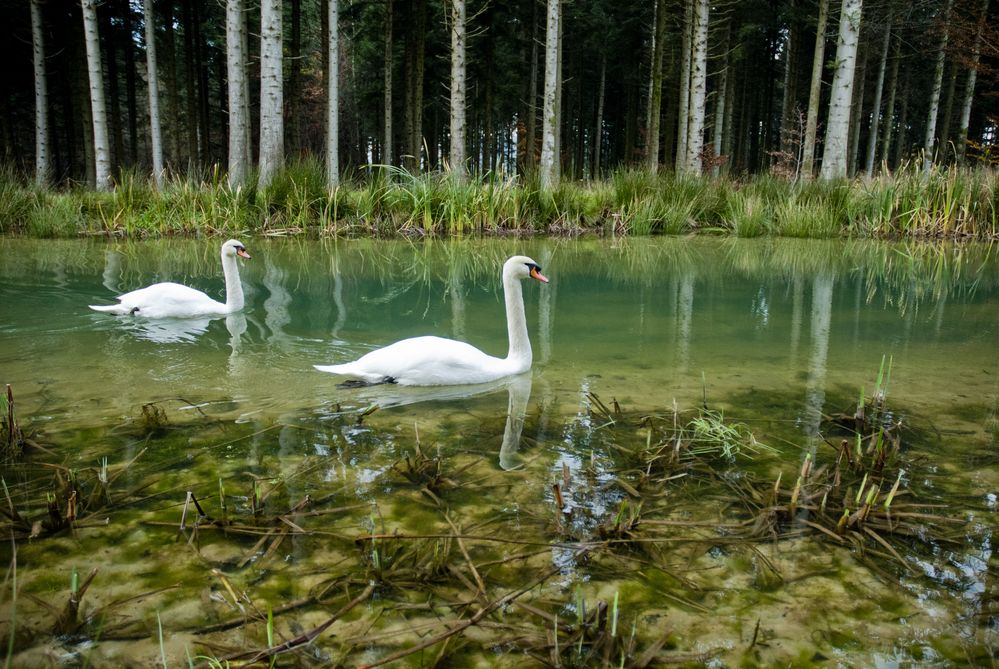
(435, 361)
(174, 300)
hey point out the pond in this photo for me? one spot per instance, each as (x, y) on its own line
(683, 476)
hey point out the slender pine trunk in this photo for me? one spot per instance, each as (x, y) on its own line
(456, 156)
(98, 111)
(969, 85)
(686, 28)
(698, 87)
(814, 92)
(656, 94)
(42, 160)
(929, 143)
(333, 97)
(834, 158)
(236, 71)
(387, 155)
(889, 117)
(271, 92)
(598, 131)
(872, 138)
(155, 133)
(549, 167)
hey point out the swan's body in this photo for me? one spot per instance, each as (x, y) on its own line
(174, 300)
(435, 361)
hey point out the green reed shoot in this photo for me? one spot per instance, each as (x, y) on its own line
(614, 614)
(159, 627)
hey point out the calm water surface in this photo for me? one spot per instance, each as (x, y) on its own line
(775, 333)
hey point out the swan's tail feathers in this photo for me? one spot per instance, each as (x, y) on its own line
(332, 369)
(119, 309)
(360, 378)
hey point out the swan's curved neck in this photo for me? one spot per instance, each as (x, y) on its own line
(233, 287)
(516, 322)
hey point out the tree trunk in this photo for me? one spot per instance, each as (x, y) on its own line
(929, 144)
(948, 113)
(456, 155)
(532, 105)
(969, 85)
(131, 94)
(201, 68)
(857, 112)
(294, 96)
(239, 151)
(113, 100)
(271, 92)
(387, 156)
(834, 158)
(698, 87)
(872, 138)
(889, 117)
(98, 113)
(190, 83)
(721, 89)
(901, 145)
(42, 161)
(726, 146)
(172, 134)
(684, 96)
(814, 92)
(598, 131)
(333, 97)
(414, 84)
(155, 134)
(549, 168)
(656, 95)
(789, 97)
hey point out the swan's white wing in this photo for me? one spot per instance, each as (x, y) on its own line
(428, 361)
(165, 300)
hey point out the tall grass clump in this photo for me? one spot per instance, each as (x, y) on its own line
(293, 200)
(799, 217)
(18, 203)
(746, 214)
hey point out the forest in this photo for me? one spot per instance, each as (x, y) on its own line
(237, 91)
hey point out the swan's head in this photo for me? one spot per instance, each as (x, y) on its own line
(234, 248)
(522, 267)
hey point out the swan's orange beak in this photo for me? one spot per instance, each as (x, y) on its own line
(243, 253)
(535, 274)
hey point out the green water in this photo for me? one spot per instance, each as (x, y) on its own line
(774, 334)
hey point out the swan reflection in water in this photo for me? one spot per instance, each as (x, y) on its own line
(182, 330)
(518, 389)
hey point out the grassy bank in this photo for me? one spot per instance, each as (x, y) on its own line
(387, 202)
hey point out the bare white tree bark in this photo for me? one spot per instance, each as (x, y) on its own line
(549, 167)
(333, 98)
(239, 150)
(969, 86)
(698, 86)
(271, 92)
(155, 133)
(834, 157)
(929, 144)
(814, 92)
(872, 139)
(684, 96)
(456, 156)
(42, 162)
(98, 109)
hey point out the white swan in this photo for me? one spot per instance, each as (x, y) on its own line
(173, 300)
(435, 361)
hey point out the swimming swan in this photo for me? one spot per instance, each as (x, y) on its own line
(173, 300)
(435, 361)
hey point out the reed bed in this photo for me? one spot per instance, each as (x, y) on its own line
(947, 203)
